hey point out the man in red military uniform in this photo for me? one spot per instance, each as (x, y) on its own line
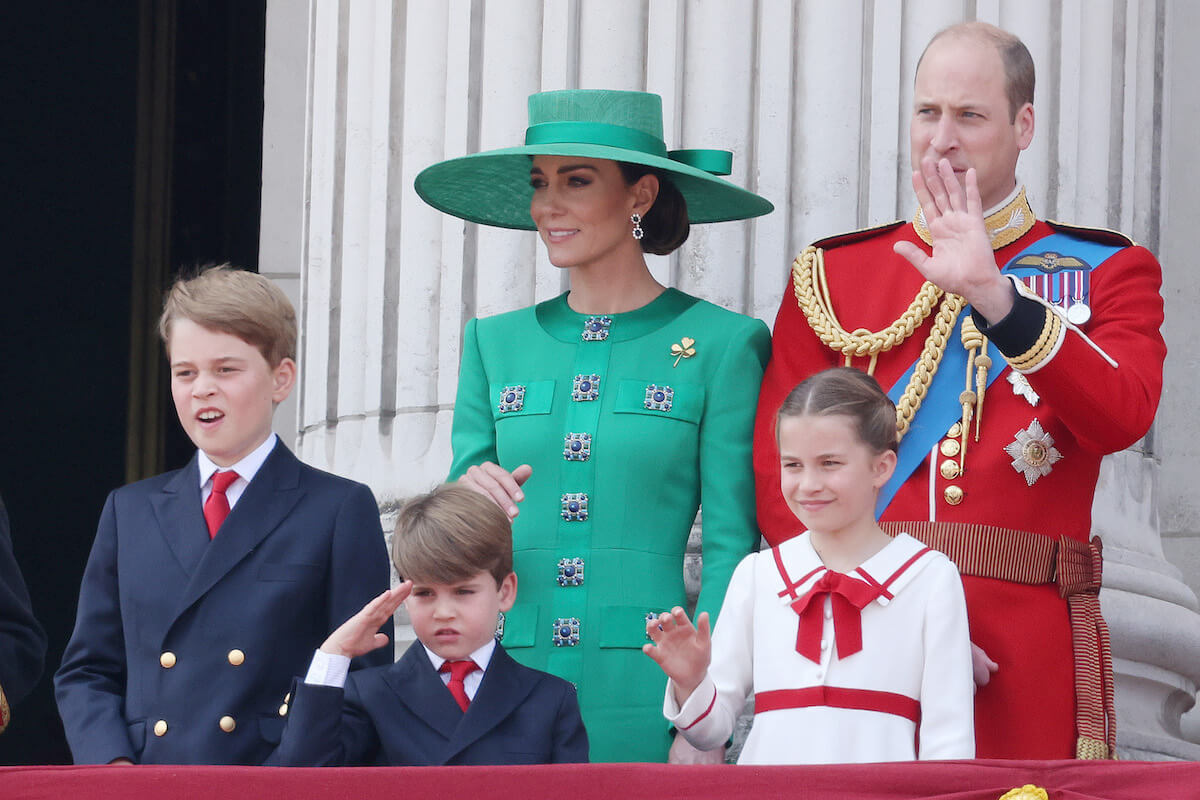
(1019, 353)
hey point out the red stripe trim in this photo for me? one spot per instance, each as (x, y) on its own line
(905, 566)
(707, 711)
(838, 697)
(789, 586)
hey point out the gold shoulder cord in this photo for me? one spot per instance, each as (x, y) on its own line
(812, 293)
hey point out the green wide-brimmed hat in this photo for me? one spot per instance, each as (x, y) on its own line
(493, 188)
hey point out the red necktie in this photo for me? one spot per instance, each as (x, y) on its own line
(849, 597)
(459, 670)
(216, 507)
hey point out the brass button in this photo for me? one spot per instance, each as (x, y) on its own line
(227, 723)
(953, 495)
(955, 430)
(950, 447)
(287, 698)
(236, 657)
(167, 659)
(283, 710)
(949, 469)
(160, 728)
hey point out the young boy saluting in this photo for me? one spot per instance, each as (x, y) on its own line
(457, 697)
(207, 588)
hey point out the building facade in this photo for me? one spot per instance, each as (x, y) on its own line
(814, 99)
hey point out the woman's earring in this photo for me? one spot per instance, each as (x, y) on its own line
(636, 219)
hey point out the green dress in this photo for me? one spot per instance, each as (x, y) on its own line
(625, 443)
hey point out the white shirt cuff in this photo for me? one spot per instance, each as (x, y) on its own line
(327, 669)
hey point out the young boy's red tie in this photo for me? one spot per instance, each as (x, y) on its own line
(216, 507)
(459, 670)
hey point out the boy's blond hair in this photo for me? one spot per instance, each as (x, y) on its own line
(234, 301)
(451, 535)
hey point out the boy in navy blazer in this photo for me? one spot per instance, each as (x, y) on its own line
(455, 697)
(207, 588)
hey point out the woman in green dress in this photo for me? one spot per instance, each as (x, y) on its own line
(610, 414)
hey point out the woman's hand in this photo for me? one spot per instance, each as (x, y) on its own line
(682, 650)
(359, 635)
(495, 482)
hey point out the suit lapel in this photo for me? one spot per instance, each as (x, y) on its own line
(422, 690)
(181, 518)
(266, 502)
(505, 686)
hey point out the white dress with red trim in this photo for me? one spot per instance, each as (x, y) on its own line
(833, 683)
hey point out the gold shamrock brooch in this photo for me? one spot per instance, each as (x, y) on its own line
(683, 349)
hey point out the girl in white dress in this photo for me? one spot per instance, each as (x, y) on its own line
(853, 643)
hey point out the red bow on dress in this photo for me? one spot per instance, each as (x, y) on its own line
(849, 597)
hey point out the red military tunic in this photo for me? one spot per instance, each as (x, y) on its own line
(1087, 407)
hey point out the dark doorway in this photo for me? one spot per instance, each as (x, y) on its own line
(132, 141)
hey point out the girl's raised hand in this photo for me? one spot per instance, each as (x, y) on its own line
(682, 650)
(359, 634)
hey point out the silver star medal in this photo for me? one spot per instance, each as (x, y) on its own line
(1021, 387)
(1033, 453)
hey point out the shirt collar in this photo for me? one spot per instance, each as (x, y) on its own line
(246, 469)
(482, 657)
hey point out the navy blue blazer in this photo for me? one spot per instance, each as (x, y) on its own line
(22, 640)
(184, 648)
(403, 715)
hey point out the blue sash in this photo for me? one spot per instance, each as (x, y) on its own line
(941, 407)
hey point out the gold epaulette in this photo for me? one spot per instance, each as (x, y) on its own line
(1102, 235)
(858, 235)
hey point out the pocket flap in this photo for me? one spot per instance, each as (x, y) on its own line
(520, 399)
(625, 626)
(681, 401)
(520, 626)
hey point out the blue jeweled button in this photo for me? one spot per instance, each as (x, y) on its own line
(566, 631)
(595, 329)
(512, 398)
(575, 506)
(570, 572)
(586, 387)
(658, 398)
(577, 446)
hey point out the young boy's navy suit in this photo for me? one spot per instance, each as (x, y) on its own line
(403, 715)
(183, 647)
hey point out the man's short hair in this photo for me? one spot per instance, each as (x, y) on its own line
(234, 301)
(450, 535)
(1018, 63)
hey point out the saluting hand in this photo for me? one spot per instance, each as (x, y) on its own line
(682, 650)
(962, 262)
(360, 635)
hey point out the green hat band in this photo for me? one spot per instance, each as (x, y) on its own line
(595, 133)
(716, 162)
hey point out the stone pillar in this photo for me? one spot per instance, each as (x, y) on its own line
(813, 97)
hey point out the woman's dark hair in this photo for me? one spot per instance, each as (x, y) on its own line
(851, 393)
(666, 223)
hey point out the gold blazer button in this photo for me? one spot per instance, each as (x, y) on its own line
(236, 657)
(228, 723)
(167, 660)
(160, 728)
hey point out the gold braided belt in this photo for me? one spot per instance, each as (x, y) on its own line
(987, 551)
(1005, 226)
(812, 293)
